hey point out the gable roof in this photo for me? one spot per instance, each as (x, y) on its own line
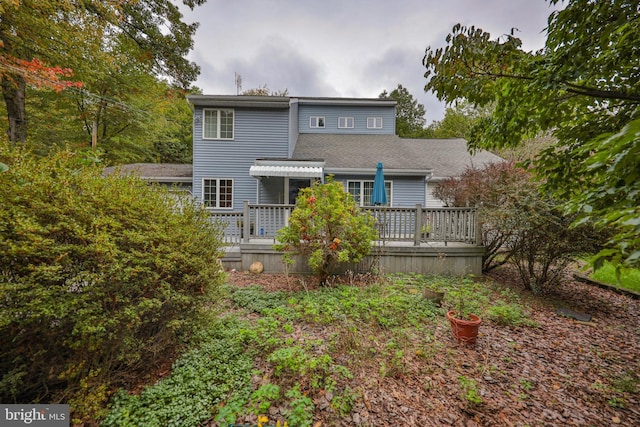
(361, 153)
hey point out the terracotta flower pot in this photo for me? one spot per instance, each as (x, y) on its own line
(465, 331)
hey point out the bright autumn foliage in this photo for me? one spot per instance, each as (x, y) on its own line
(41, 39)
(37, 74)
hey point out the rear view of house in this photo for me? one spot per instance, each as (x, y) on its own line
(252, 155)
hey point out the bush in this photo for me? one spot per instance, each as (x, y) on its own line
(545, 242)
(495, 190)
(327, 227)
(100, 278)
(519, 224)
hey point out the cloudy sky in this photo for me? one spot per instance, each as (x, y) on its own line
(344, 48)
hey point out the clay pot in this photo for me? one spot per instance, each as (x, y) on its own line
(465, 331)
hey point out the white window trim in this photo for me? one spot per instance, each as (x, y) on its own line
(217, 199)
(362, 181)
(317, 120)
(347, 121)
(233, 124)
(374, 125)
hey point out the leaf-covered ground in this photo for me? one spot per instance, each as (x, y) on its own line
(559, 372)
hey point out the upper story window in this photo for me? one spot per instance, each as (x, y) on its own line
(217, 124)
(316, 122)
(345, 122)
(217, 193)
(374, 122)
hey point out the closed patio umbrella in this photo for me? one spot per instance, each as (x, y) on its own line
(379, 194)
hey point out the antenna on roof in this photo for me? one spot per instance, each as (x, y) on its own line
(238, 83)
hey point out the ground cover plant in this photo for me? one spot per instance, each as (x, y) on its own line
(366, 350)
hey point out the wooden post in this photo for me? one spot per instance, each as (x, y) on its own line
(417, 233)
(246, 224)
(476, 214)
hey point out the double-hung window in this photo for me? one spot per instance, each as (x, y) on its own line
(374, 122)
(217, 124)
(316, 122)
(217, 193)
(362, 191)
(345, 122)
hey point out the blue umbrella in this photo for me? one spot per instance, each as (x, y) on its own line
(379, 194)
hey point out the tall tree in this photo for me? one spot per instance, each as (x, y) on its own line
(410, 118)
(134, 117)
(583, 87)
(77, 35)
(458, 120)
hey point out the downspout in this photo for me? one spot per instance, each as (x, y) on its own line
(427, 178)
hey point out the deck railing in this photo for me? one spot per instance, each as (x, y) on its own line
(414, 224)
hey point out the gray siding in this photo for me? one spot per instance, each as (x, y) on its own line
(432, 201)
(257, 134)
(359, 113)
(271, 190)
(408, 191)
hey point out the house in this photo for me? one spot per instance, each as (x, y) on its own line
(252, 154)
(263, 149)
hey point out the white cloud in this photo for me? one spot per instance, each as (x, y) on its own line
(343, 47)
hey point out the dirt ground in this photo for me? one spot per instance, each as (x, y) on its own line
(560, 373)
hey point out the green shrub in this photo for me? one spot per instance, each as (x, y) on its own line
(328, 228)
(520, 224)
(100, 277)
(507, 314)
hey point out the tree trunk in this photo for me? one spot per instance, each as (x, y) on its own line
(13, 92)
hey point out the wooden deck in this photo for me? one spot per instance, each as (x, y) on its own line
(411, 240)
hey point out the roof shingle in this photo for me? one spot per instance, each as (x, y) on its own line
(444, 157)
